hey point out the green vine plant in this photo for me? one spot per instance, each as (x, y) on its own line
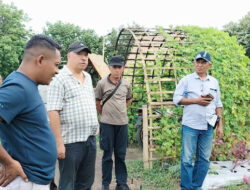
(230, 66)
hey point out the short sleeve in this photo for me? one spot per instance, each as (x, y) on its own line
(179, 91)
(218, 102)
(129, 94)
(98, 91)
(12, 101)
(55, 95)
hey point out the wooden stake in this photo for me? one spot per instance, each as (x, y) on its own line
(145, 136)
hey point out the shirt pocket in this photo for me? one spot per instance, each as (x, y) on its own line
(213, 91)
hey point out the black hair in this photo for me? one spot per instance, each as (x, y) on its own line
(41, 40)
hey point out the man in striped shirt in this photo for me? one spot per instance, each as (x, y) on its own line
(73, 118)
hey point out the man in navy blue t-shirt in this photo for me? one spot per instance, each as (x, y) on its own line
(28, 149)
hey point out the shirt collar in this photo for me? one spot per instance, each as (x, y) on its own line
(66, 70)
(196, 76)
(111, 81)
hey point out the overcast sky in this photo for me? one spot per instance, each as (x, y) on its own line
(103, 15)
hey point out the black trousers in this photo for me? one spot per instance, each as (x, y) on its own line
(77, 170)
(114, 138)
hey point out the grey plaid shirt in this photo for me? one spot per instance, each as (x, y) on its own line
(76, 105)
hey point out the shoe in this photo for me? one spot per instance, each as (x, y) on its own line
(105, 187)
(122, 187)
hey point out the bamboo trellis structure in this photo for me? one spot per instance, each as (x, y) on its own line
(150, 65)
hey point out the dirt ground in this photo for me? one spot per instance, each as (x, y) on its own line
(133, 153)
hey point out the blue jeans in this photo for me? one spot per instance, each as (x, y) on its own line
(77, 170)
(114, 137)
(199, 142)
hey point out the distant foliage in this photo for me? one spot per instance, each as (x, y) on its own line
(66, 33)
(241, 30)
(110, 41)
(13, 37)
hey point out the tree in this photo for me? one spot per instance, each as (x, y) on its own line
(66, 33)
(242, 32)
(13, 37)
(111, 38)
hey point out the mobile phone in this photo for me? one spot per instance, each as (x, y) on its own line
(208, 96)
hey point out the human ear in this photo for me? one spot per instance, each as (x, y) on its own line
(40, 59)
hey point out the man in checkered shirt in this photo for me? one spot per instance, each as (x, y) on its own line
(73, 119)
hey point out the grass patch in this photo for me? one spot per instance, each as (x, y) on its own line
(160, 178)
(163, 178)
(242, 186)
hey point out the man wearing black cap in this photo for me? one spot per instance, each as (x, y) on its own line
(200, 95)
(115, 94)
(73, 118)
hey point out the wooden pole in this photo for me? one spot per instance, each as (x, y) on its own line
(103, 46)
(145, 136)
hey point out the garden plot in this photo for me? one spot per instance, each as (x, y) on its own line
(220, 174)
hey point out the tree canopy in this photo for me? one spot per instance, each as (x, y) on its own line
(13, 37)
(242, 32)
(66, 33)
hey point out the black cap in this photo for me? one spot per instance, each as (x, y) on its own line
(203, 55)
(117, 61)
(78, 47)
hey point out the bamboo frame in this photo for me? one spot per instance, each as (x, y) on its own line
(145, 46)
(145, 136)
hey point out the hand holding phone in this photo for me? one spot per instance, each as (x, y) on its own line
(207, 96)
(204, 100)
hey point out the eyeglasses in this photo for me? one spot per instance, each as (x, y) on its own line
(201, 63)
